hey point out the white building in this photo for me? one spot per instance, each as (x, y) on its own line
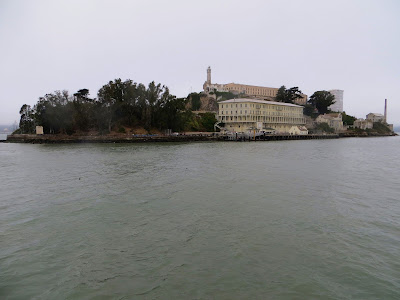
(363, 124)
(298, 130)
(338, 105)
(374, 117)
(334, 120)
(260, 92)
(244, 114)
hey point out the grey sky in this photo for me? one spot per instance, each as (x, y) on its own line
(315, 45)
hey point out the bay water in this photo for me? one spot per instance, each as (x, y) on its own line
(316, 219)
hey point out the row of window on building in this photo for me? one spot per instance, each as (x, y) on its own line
(255, 91)
(251, 112)
(276, 107)
(267, 119)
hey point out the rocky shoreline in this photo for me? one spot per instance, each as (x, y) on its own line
(61, 139)
(200, 137)
(365, 134)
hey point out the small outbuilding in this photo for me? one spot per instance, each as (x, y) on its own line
(363, 124)
(375, 117)
(39, 129)
(298, 130)
(334, 120)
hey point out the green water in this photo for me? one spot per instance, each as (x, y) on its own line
(265, 220)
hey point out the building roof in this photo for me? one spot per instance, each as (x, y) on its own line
(330, 116)
(238, 100)
(378, 115)
(253, 86)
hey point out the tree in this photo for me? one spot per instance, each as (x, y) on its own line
(171, 113)
(54, 112)
(288, 95)
(110, 97)
(119, 103)
(207, 121)
(195, 100)
(27, 122)
(308, 110)
(82, 95)
(281, 94)
(321, 100)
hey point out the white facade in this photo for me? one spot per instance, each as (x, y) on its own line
(338, 105)
(374, 117)
(262, 92)
(334, 120)
(298, 130)
(363, 124)
(39, 129)
(243, 114)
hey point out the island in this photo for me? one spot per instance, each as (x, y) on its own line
(126, 111)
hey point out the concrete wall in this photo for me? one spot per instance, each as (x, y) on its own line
(338, 105)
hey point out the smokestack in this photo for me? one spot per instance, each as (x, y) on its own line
(385, 110)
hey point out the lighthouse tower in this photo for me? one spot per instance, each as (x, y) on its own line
(209, 75)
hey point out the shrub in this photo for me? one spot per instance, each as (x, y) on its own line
(325, 128)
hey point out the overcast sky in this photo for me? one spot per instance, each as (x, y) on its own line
(313, 44)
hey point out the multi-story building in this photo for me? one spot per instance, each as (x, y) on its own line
(267, 93)
(244, 114)
(338, 105)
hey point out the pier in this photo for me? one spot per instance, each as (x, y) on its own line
(239, 137)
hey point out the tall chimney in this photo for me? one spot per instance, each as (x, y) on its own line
(385, 110)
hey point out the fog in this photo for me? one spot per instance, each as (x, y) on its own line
(315, 45)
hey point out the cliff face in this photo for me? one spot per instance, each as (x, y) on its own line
(208, 103)
(202, 102)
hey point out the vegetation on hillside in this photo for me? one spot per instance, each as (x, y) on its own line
(347, 119)
(221, 96)
(119, 104)
(324, 127)
(381, 128)
(194, 99)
